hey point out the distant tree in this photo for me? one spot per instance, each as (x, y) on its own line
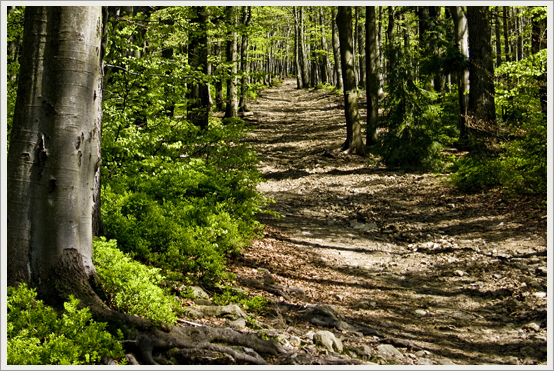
(337, 69)
(301, 50)
(198, 51)
(245, 24)
(460, 28)
(481, 114)
(372, 68)
(231, 108)
(354, 143)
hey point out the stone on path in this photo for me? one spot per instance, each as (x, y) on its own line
(327, 340)
(388, 351)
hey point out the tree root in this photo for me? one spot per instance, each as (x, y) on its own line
(214, 350)
(197, 342)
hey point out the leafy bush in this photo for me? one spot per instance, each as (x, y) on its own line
(37, 335)
(185, 212)
(475, 172)
(131, 287)
(520, 167)
(521, 162)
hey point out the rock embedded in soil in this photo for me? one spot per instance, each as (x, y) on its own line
(388, 351)
(328, 340)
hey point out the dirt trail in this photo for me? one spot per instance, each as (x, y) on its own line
(457, 278)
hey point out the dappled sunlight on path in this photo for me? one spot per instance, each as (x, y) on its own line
(457, 276)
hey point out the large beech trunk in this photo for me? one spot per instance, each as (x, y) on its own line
(53, 155)
(354, 143)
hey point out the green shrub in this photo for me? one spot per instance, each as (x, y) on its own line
(186, 214)
(412, 118)
(254, 304)
(131, 287)
(37, 335)
(476, 172)
(519, 167)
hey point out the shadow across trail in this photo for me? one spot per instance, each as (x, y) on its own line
(460, 276)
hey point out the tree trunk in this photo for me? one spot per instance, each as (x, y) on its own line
(231, 108)
(246, 18)
(354, 143)
(380, 46)
(361, 50)
(372, 86)
(219, 100)
(538, 42)
(303, 57)
(201, 106)
(497, 32)
(519, 30)
(337, 69)
(297, 49)
(390, 44)
(507, 52)
(481, 117)
(53, 156)
(355, 45)
(325, 59)
(460, 28)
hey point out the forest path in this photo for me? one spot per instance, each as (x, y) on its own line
(460, 277)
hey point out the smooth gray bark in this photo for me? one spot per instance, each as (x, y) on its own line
(53, 154)
(337, 70)
(460, 29)
(246, 18)
(231, 108)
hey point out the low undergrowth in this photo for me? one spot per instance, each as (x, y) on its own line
(38, 334)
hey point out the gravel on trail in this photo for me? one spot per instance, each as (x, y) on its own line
(410, 270)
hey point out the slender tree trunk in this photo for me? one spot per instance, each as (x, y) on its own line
(355, 48)
(354, 142)
(507, 52)
(460, 28)
(297, 41)
(380, 46)
(498, 32)
(519, 30)
(303, 57)
(372, 86)
(336, 52)
(434, 15)
(231, 108)
(53, 156)
(219, 100)
(538, 42)
(390, 42)
(198, 53)
(325, 59)
(361, 50)
(481, 117)
(246, 18)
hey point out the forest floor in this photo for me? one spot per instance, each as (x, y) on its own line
(445, 277)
